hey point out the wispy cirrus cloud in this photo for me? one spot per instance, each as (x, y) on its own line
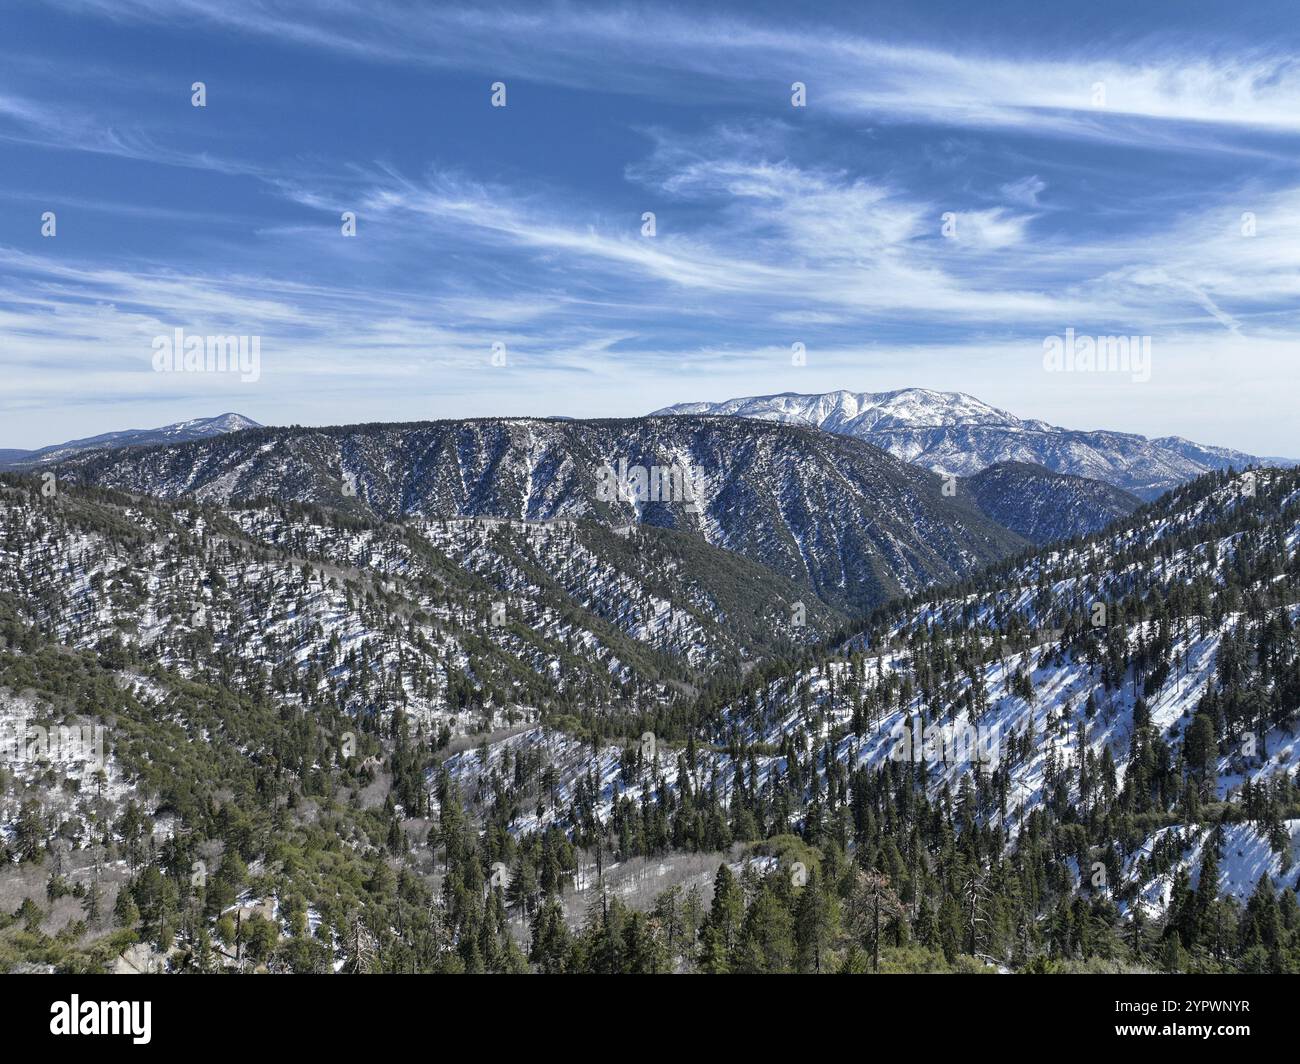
(1025, 190)
(69, 128)
(1091, 91)
(790, 236)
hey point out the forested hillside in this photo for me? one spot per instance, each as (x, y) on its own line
(327, 749)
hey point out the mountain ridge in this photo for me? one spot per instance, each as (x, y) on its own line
(953, 432)
(191, 429)
(844, 518)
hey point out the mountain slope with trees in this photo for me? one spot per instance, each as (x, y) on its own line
(372, 776)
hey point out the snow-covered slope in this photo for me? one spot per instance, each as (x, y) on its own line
(526, 611)
(859, 413)
(951, 432)
(194, 429)
(1149, 674)
(850, 522)
(595, 690)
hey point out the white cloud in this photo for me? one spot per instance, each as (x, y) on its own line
(1025, 191)
(647, 51)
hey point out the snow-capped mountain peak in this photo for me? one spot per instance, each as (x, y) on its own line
(956, 433)
(199, 428)
(222, 423)
(850, 412)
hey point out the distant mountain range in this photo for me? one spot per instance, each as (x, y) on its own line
(951, 432)
(194, 429)
(946, 432)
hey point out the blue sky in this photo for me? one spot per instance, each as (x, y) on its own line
(1098, 159)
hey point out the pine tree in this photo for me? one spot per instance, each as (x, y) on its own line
(766, 942)
(812, 924)
(722, 926)
(1207, 889)
(125, 913)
